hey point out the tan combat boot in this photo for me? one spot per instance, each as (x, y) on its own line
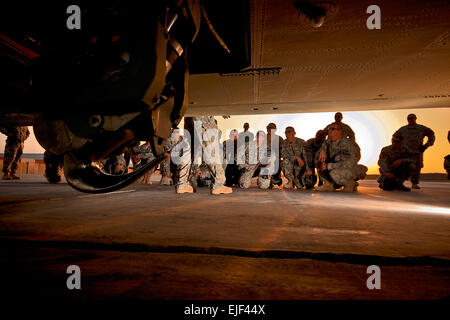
(351, 186)
(222, 190)
(188, 189)
(289, 184)
(415, 186)
(165, 181)
(325, 187)
(277, 187)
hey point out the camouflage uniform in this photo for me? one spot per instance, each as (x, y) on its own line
(145, 154)
(246, 136)
(388, 156)
(230, 162)
(204, 180)
(166, 164)
(346, 129)
(342, 161)
(275, 178)
(110, 164)
(310, 153)
(185, 168)
(250, 169)
(291, 169)
(413, 139)
(13, 147)
(447, 159)
(53, 167)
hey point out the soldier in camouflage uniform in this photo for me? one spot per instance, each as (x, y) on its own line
(246, 135)
(413, 135)
(274, 139)
(166, 166)
(53, 167)
(230, 148)
(311, 150)
(115, 164)
(348, 132)
(339, 158)
(256, 162)
(447, 159)
(141, 155)
(201, 176)
(395, 165)
(293, 162)
(13, 149)
(186, 169)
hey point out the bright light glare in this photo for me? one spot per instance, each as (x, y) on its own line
(434, 210)
(369, 130)
(340, 201)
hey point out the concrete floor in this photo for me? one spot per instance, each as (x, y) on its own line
(147, 242)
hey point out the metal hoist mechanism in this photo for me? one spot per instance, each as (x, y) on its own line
(119, 84)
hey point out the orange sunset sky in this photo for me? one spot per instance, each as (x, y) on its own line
(373, 131)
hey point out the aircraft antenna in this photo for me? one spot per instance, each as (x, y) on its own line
(213, 31)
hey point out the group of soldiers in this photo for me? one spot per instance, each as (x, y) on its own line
(329, 160)
(403, 159)
(331, 157)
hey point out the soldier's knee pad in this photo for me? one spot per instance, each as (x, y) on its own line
(264, 182)
(244, 185)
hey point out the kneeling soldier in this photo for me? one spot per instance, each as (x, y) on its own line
(395, 165)
(293, 164)
(339, 158)
(255, 163)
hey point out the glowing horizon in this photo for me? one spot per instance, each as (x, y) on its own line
(373, 130)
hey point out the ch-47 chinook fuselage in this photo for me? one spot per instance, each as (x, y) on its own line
(95, 78)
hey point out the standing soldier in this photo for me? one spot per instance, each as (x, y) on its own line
(13, 149)
(230, 148)
(348, 132)
(274, 139)
(311, 150)
(246, 136)
(166, 166)
(187, 169)
(339, 158)
(293, 163)
(447, 159)
(413, 135)
(395, 166)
